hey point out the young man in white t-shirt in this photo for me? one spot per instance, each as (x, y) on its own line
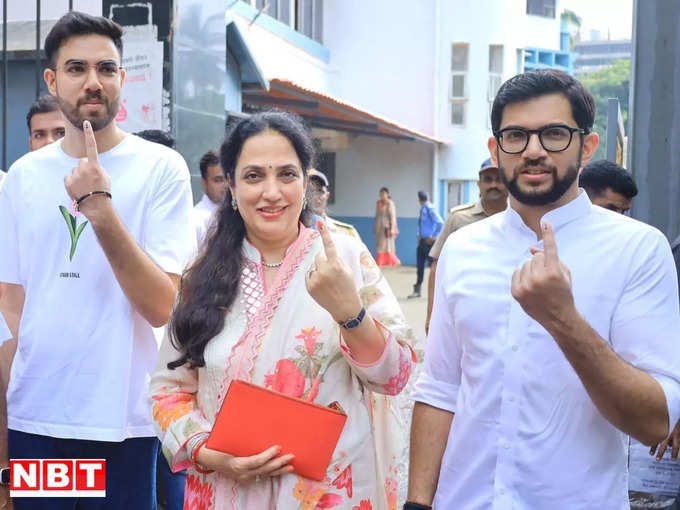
(95, 230)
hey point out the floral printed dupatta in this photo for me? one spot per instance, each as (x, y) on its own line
(282, 339)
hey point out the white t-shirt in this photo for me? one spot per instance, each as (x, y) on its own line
(203, 217)
(84, 355)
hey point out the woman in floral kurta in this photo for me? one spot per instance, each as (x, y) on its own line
(282, 339)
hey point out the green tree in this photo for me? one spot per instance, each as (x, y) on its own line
(573, 20)
(610, 82)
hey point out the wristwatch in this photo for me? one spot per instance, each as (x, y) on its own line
(4, 476)
(355, 321)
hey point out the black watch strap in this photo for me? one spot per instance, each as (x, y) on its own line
(354, 322)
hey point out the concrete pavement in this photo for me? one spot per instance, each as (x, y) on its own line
(402, 279)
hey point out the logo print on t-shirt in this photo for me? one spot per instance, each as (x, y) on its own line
(74, 229)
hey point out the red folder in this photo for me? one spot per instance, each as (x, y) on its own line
(253, 419)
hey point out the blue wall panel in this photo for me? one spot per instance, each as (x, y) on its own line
(20, 95)
(407, 242)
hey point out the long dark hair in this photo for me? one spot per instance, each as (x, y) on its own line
(210, 286)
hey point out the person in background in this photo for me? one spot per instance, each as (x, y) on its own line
(608, 185)
(305, 313)
(45, 122)
(554, 330)
(386, 230)
(493, 198)
(214, 186)
(157, 136)
(429, 227)
(319, 192)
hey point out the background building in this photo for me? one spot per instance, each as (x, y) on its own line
(479, 46)
(597, 54)
(397, 94)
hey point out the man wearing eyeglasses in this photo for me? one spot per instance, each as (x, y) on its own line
(554, 330)
(95, 230)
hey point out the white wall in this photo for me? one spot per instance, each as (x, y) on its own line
(371, 163)
(480, 24)
(24, 10)
(388, 73)
(281, 59)
(383, 52)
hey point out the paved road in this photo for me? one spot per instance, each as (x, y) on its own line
(401, 280)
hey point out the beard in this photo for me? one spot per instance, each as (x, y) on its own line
(99, 121)
(544, 197)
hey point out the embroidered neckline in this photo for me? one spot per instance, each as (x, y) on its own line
(259, 312)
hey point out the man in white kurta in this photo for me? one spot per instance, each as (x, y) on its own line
(554, 333)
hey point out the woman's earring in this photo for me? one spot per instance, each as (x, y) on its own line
(304, 202)
(234, 205)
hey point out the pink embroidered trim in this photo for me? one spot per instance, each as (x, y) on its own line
(387, 335)
(398, 382)
(248, 345)
(179, 466)
(252, 294)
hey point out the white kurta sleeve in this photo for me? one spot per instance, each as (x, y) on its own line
(645, 328)
(439, 381)
(176, 414)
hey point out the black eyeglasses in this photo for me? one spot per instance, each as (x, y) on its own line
(553, 138)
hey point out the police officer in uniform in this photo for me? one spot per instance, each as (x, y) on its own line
(493, 198)
(318, 201)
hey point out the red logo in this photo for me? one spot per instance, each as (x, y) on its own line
(57, 478)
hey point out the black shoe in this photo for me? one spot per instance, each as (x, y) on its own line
(415, 294)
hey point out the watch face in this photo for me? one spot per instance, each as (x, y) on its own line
(4, 476)
(352, 323)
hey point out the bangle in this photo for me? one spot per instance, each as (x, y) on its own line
(194, 454)
(410, 505)
(192, 443)
(76, 206)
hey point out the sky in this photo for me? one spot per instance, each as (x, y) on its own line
(615, 16)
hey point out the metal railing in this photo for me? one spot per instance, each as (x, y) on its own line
(5, 69)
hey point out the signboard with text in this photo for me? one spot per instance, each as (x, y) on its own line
(142, 96)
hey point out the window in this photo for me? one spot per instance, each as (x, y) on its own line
(495, 76)
(304, 16)
(458, 94)
(520, 61)
(495, 69)
(545, 8)
(455, 194)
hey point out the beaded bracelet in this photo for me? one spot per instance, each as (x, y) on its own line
(77, 203)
